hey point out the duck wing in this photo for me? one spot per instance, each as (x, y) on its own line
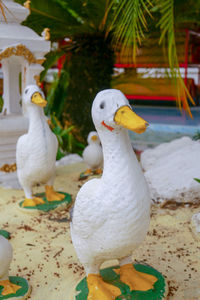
(89, 212)
(22, 151)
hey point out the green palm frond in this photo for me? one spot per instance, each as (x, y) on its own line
(73, 11)
(62, 21)
(2, 7)
(130, 23)
(67, 18)
(51, 59)
(167, 27)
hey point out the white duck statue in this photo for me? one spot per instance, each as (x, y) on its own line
(36, 150)
(10, 289)
(111, 214)
(5, 260)
(93, 154)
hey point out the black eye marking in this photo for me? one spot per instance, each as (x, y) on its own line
(102, 105)
(26, 91)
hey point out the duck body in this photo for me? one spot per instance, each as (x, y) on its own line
(92, 154)
(111, 214)
(36, 150)
(117, 208)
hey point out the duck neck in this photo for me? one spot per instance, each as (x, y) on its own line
(117, 151)
(36, 117)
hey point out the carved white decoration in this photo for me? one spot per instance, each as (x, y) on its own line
(21, 54)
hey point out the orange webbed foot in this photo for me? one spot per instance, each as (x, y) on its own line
(8, 287)
(101, 290)
(136, 280)
(52, 195)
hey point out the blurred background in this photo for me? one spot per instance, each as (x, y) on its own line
(147, 49)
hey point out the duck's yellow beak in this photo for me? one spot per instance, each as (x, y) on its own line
(38, 99)
(130, 120)
(94, 138)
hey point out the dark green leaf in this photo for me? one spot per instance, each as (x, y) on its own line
(197, 179)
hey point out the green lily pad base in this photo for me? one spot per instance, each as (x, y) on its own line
(5, 234)
(85, 175)
(158, 292)
(48, 205)
(22, 293)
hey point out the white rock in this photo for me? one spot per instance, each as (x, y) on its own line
(151, 156)
(171, 169)
(69, 159)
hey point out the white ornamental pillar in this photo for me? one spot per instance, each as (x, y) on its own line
(11, 68)
(30, 74)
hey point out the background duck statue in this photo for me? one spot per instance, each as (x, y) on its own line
(9, 289)
(36, 150)
(93, 154)
(111, 214)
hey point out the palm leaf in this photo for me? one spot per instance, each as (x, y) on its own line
(197, 179)
(130, 24)
(50, 14)
(67, 18)
(2, 6)
(51, 58)
(167, 28)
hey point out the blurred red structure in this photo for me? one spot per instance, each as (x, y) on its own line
(149, 58)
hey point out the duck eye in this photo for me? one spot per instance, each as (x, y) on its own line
(102, 105)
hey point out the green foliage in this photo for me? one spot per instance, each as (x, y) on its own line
(1, 103)
(50, 14)
(57, 94)
(196, 136)
(91, 62)
(90, 69)
(125, 22)
(66, 18)
(197, 179)
(66, 140)
(130, 24)
(51, 59)
(134, 19)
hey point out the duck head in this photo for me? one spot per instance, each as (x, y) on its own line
(33, 96)
(111, 110)
(93, 137)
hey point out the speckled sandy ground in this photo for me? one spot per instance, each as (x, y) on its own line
(44, 254)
